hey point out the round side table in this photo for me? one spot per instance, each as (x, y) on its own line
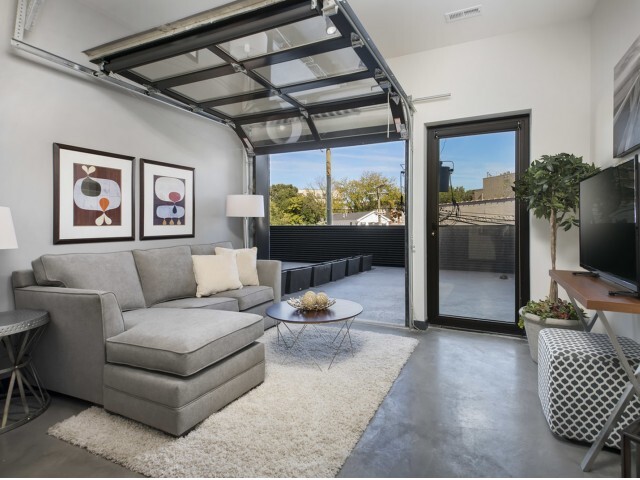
(22, 396)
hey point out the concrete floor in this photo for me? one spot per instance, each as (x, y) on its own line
(465, 405)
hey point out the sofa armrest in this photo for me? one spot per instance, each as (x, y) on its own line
(23, 278)
(71, 354)
(270, 274)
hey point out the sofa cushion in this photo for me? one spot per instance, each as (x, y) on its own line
(176, 392)
(165, 273)
(215, 273)
(183, 343)
(209, 248)
(110, 272)
(246, 259)
(213, 303)
(249, 296)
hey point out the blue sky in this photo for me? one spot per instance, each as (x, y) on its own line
(303, 168)
(473, 157)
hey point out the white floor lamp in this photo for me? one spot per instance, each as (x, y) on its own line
(7, 232)
(245, 206)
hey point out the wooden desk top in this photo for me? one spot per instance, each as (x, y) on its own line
(593, 293)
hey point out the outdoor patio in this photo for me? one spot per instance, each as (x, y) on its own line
(381, 293)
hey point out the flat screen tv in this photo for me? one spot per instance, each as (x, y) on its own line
(608, 215)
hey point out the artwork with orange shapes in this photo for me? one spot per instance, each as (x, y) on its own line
(97, 196)
(168, 200)
(93, 195)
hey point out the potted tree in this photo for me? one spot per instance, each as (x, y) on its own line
(550, 189)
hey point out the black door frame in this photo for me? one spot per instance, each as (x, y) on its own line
(519, 124)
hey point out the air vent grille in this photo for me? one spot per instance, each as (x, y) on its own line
(463, 14)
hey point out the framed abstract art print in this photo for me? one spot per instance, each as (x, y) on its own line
(168, 200)
(93, 196)
(626, 102)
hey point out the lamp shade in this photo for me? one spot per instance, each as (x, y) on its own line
(7, 232)
(245, 206)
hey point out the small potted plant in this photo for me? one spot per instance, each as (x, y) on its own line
(550, 189)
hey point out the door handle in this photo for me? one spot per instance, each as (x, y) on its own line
(434, 230)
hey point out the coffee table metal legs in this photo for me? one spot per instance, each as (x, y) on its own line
(23, 379)
(345, 330)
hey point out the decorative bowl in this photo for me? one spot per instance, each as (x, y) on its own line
(297, 304)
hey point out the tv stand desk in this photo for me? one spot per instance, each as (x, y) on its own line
(593, 294)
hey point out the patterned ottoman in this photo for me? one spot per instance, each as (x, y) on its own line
(580, 380)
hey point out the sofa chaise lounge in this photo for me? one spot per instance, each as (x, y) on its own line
(127, 332)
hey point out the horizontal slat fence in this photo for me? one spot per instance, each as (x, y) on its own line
(478, 248)
(323, 243)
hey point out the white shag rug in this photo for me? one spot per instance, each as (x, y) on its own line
(301, 422)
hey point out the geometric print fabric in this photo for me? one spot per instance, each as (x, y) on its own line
(580, 380)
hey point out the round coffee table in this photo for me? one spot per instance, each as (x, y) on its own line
(344, 311)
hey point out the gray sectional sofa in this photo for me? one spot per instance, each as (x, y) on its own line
(128, 332)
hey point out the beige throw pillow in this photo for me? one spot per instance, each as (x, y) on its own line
(215, 273)
(246, 259)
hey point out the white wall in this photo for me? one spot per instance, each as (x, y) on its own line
(544, 71)
(615, 25)
(40, 105)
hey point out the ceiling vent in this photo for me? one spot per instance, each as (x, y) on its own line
(463, 14)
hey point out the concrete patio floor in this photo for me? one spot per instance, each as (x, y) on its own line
(381, 292)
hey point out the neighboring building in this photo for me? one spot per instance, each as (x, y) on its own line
(496, 186)
(316, 192)
(360, 218)
(493, 204)
(498, 211)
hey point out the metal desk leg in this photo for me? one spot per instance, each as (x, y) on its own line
(586, 326)
(597, 445)
(633, 386)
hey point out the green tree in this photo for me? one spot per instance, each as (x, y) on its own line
(550, 188)
(290, 207)
(459, 194)
(361, 195)
(320, 185)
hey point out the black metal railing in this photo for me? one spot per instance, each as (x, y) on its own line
(481, 248)
(323, 243)
(478, 248)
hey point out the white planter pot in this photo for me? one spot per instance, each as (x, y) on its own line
(533, 324)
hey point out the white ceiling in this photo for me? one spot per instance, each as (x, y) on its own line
(397, 27)
(401, 27)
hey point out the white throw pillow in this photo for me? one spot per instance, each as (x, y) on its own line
(215, 273)
(246, 259)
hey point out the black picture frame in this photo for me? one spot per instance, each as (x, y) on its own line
(84, 209)
(155, 198)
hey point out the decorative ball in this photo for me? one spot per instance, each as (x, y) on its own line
(322, 300)
(309, 300)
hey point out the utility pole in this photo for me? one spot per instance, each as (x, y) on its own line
(329, 193)
(379, 210)
(377, 194)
